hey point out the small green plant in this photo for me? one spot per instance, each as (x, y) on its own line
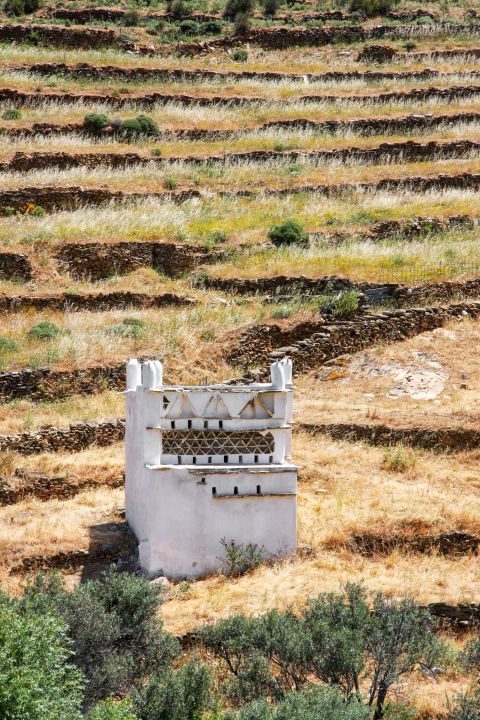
(189, 27)
(131, 18)
(44, 330)
(169, 184)
(7, 345)
(184, 586)
(218, 236)
(212, 27)
(156, 152)
(241, 557)
(233, 8)
(242, 23)
(178, 9)
(8, 211)
(270, 7)
(282, 312)
(289, 232)
(136, 127)
(409, 45)
(371, 7)
(95, 123)
(11, 114)
(398, 460)
(240, 55)
(129, 327)
(346, 304)
(38, 211)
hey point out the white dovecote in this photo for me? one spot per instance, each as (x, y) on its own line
(206, 464)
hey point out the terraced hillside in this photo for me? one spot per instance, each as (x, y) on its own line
(145, 154)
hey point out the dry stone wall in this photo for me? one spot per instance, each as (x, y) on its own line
(95, 302)
(60, 36)
(14, 266)
(47, 487)
(77, 437)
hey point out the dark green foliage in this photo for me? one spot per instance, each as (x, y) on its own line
(212, 27)
(270, 7)
(313, 704)
(95, 122)
(182, 695)
(169, 184)
(112, 710)
(240, 55)
(7, 345)
(37, 679)
(129, 327)
(289, 232)
(189, 27)
(116, 634)
(242, 24)
(131, 18)
(143, 125)
(471, 655)
(178, 9)
(233, 8)
(11, 114)
(241, 557)
(340, 640)
(44, 330)
(20, 7)
(466, 707)
(372, 7)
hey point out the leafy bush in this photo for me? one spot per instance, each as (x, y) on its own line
(38, 211)
(11, 114)
(44, 330)
(314, 704)
(131, 18)
(116, 634)
(129, 327)
(372, 7)
(112, 710)
(178, 8)
(141, 125)
(466, 707)
(398, 460)
(270, 7)
(37, 678)
(7, 345)
(346, 304)
(242, 24)
(20, 7)
(182, 695)
(189, 27)
(240, 55)
(212, 27)
(238, 7)
(241, 557)
(95, 123)
(169, 184)
(289, 232)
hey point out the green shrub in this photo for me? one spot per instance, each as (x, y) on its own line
(9, 211)
(131, 18)
(113, 624)
(32, 6)
(372, 7)
(11, 114)
(240, 55)
(112, 710)
(169, 184)
(398, 460)
(178, 8)
(242, 24)
(189, 27)
(241, 557)
(44, 330)
(270, 7)
(212, 27)
(95, 123)
(182, 695)
(466, 707)
(346, 304)
(233, 8)
(14, 8)
(38, 211)
(313, 704)
(218, 236)
(143, 125)
(129, 327)
(289, 232)
(7, 345)
(37, 678)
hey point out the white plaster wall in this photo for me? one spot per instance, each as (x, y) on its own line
(186, 522)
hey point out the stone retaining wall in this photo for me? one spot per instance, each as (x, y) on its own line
(97, 261)
(95, 302)
(45, 487)
(71, 198)
(438, 439)
(48, 384)
(456, 543)
(312, 344)
(14, 266)
(77, 437)
(386, 153)
(60, 36)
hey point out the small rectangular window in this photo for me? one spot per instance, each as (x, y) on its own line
(220, 424)
(189, 424)
(225, 458)
(270, 459)
(209, 460)
(172, 424)
(255, 459)
(214, 490)
(205, 424)
(240, 460)
(194, 461)
(179, 459)
(259, 489)
(235, 490)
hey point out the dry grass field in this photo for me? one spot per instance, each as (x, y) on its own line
(348, 490)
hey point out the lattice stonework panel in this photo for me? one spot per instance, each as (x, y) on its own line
(217, 442)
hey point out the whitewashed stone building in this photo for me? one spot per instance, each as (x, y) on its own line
(206, 464)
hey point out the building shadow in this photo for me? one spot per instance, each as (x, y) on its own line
(110, 543)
